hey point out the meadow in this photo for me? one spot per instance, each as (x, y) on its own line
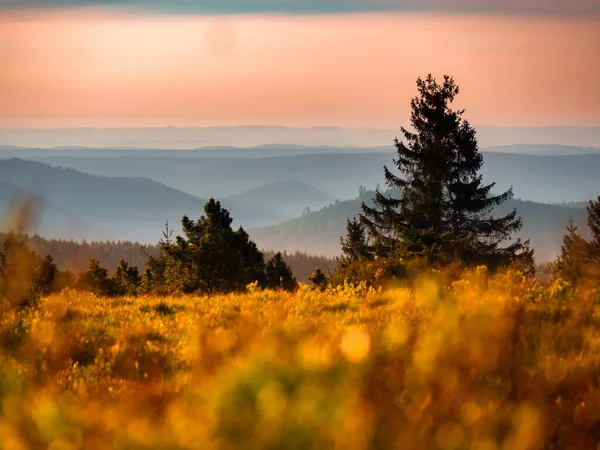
(474, 361)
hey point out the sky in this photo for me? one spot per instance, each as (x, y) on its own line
(349, 63)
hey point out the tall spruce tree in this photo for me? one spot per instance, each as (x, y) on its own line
(443, 210)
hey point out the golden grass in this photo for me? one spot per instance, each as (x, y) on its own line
(486, 362)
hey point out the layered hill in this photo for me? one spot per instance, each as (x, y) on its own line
(545, 178)
(276, 202)
(112, 207)
(22, 210)
(340, 175)
(194, 137)
(132, 197)
(543, 150)
(259, 151)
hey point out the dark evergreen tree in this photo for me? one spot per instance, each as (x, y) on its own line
(279, 275)
(571, 264)
(156, 262)
(355, 246)
(318, 279)
(210, 257)
(443, 209)
(45, 276)
(147, 283)
(126, 279)
(251, 258)
(95, 279)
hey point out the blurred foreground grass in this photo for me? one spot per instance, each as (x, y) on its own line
(486, 362)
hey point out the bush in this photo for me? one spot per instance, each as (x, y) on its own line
(96, 280)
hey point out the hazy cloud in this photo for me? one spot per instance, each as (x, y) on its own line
(517, 7)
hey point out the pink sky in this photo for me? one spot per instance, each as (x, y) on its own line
(112, 68)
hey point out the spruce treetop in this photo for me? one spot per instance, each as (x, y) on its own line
(437, 206)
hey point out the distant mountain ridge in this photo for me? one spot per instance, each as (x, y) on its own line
(77, 205)
(275, 202)
(539, 178)
(194, 137)
(115, 208)
(44, 215)
(337, 174)
(259, 151)
(278, 190)
(545, 179)
(543, 150)
(262, 151)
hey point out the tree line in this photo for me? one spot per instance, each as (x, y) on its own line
(74, 256)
